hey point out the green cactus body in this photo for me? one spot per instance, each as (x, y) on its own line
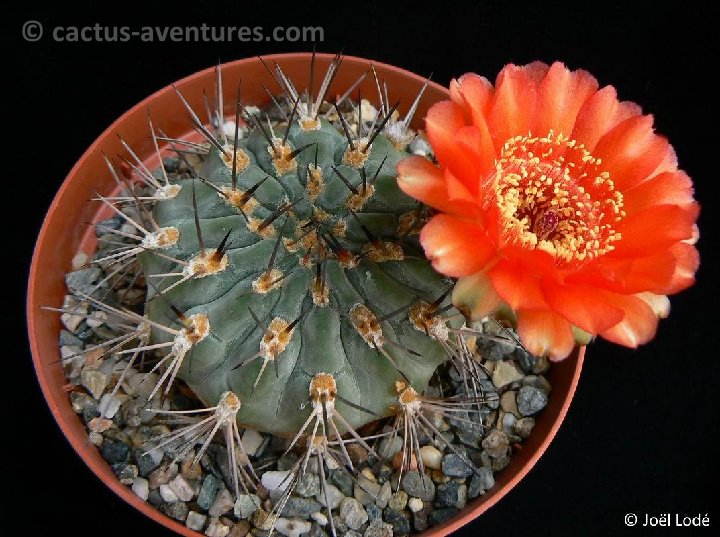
(329, 280)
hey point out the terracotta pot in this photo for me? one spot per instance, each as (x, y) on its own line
(56, 247)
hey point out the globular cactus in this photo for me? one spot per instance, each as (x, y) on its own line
(292, 253)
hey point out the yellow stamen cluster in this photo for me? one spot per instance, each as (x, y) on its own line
(554, 196)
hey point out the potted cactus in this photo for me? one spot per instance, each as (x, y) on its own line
(258, 330)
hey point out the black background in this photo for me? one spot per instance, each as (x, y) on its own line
(641, 435)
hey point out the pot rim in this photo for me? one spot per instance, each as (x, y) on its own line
(102, 469)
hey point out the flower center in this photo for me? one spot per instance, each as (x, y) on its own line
(554, 196)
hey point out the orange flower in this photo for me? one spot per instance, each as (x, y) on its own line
(558, 205)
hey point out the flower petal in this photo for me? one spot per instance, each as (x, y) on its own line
(474, 93)
(479, 148)
(443, 121)
(588, 308)
(638, 325)
(687, 262)
(456, 247)
(652, 272)
(655, 228)
(513, 106)
(600, 113)
(561, 94)
(631, 151)
(476, 294)
(670, 188)
(659, 303)
(544, 332)
(517, 285)
(424, 181)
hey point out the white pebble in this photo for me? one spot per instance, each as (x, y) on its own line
(505, 373)
(217, 528)
(168, 494)
(141, 488)
(156, 455)
(72, 321)
(276, 480)
(195, 521)
(97, 319)
(415, 504)
(94, 381)
(431, 457)
(318, 517)
(508, 422)
(251, 441)
(182, 488)
(140, 388)
(222, 504)
(334, 496)
(79, 260)
(292, 527)
(508, 403)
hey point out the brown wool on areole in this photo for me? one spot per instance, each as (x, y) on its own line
(276, 338)
(410, 223)
(320, 292)
(309, 124)
(242, 160)
(339, 228)
(165, 237)
(243, 201)
(380, 251)
(256, 226)
(197, 328)
(267, 281)
(357, 153)
(323, 388)
(229, 402)
(347, 259)
(423, 317)
(283, 159)
(314, 182)
(367, 325)
(206, 264)
(356, 202)
(407, 396)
